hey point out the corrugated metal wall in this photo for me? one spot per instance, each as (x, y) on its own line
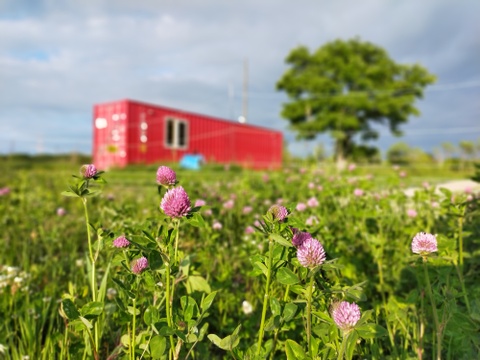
(136, 133)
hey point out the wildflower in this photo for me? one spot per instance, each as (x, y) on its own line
(88, 171)
(175, 203)
(299, 237)
(403, 174)
(311, 253)
(358, 192)
(200, 202)
(311, 220)
(247, 307)
(247, 210)
(424, 243)
(61, 211)
(121, 242)
(229, 204)
(411, 213)
(301, 207)
(320, 188)
(249, 230)
(4, 191)
(166, 176)
(208, 212)
(279, 212)
(311, 185)
(111, 293)
(312, 202)
(217, 225)
(139, 265)
(345, 315)
(352, 167)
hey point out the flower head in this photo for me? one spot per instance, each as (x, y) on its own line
(229, 204)
(311, 253)
(139, 265)
(200, 202)
(217, 225)
(301, 207)
(358, 192)
(249, 230)
(345, 315)
(166, 176)
(299, 237)
(312, 202)
(279, 212)
(88, 171)
(424, 243)
(247, 307)
(121, 242)
(411, 213)
(175, 203)
(61, 211)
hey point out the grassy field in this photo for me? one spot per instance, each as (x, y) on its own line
(228, 280)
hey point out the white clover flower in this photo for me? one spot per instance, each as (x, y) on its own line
(247, 307)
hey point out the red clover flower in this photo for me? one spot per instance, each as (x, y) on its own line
(175, 203)
(166, 176)
(424, 244)
(139, 265)
(88, 171)
(345, 315)
(279, 212)
(299, 237)
(311, 253)
(121, 242)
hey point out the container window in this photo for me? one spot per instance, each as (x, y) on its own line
(176, 133)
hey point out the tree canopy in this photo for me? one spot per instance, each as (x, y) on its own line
(346, 86)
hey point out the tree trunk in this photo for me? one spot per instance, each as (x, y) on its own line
(340, 160)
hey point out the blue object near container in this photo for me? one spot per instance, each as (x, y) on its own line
(191, 161)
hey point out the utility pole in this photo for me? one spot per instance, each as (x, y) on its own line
(245, 90)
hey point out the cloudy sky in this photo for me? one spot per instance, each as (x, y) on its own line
(59, 57)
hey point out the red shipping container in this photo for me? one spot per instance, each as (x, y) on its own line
(131, 132)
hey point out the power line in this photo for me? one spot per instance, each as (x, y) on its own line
(435, 87)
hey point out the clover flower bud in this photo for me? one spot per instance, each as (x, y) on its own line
(175, 203)
(166, 176)
(345, 315)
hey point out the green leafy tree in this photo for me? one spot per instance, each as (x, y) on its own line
(345, 87)
(468, 151)
(399, 153)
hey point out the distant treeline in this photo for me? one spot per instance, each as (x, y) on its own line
(27, 161)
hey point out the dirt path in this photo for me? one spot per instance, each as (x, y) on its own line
(454, 186)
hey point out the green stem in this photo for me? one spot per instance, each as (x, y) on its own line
(384, 300)
(285, 298)
(132, 345)
(460, 242)
(265, 297)
(434, 311)
(464, 290)
(343, 347)
(177, 227)
(93, 271)
(309, 314)
(168, 308)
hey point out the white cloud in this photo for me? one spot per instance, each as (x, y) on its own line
(58, 58)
